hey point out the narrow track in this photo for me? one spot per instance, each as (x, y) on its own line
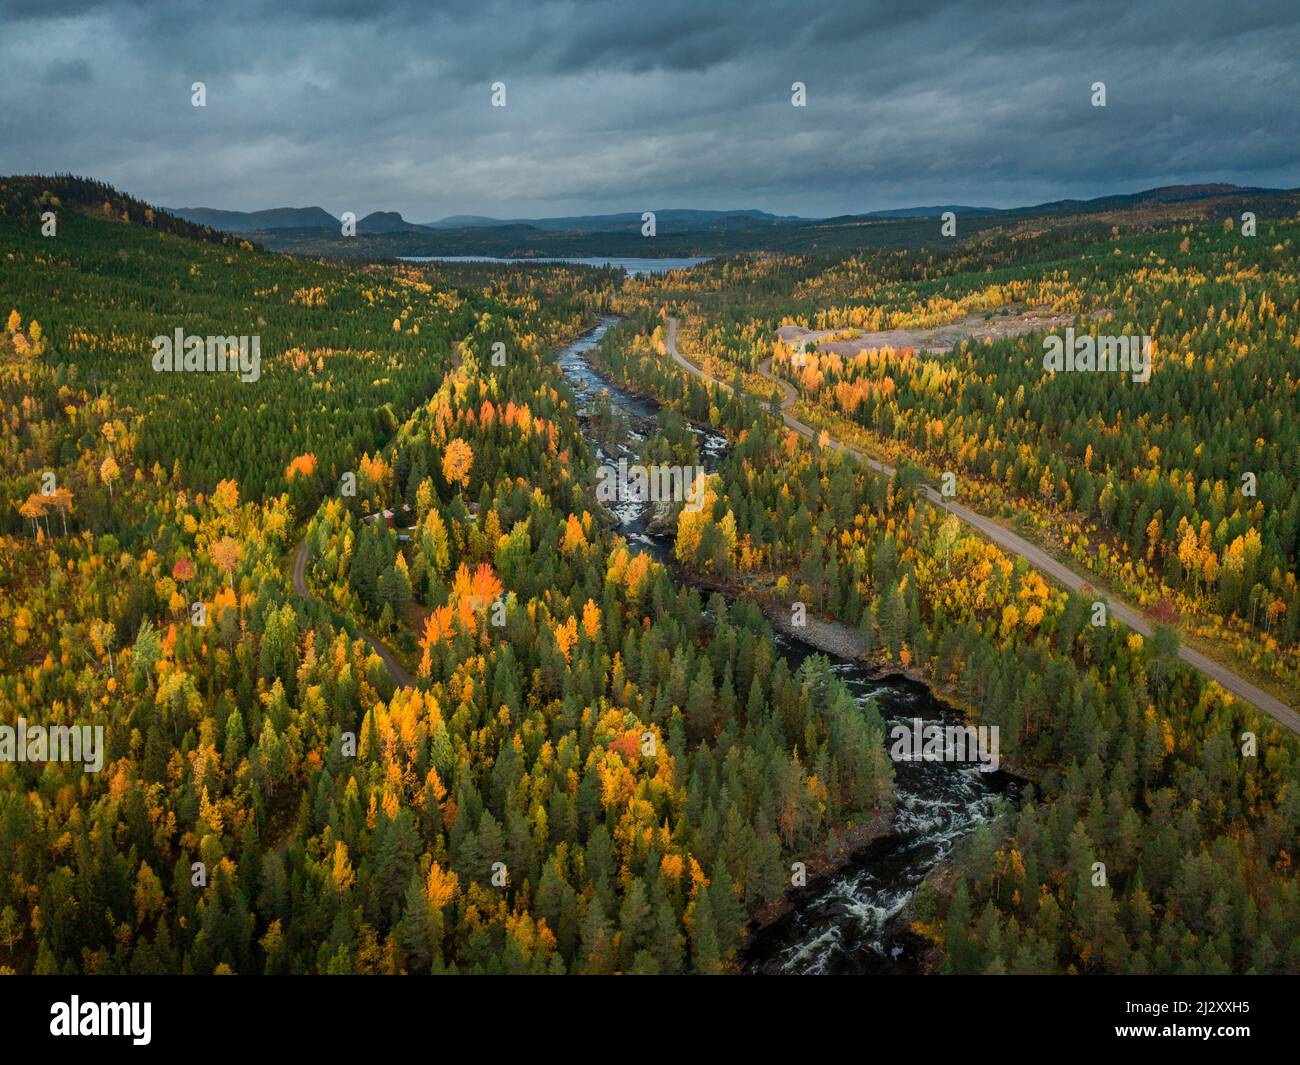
(400, 677)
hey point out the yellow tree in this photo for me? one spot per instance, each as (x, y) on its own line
(946, 539)
(436, 548)
(149, 897)
(591, 619)
(109, 472)
(225, 497)
(566, 635)
(474, 592)
(457, 460)
(34, 509)
(575, 539)
(102, 635)
(439, 625)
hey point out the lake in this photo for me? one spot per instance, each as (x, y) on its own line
(631, 265)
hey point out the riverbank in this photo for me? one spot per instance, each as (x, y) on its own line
(849, 847)
(833, 637)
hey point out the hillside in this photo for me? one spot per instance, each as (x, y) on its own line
(336, 376)
(23, 199)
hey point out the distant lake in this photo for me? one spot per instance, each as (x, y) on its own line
(632, 266)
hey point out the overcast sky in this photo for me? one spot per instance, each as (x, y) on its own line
(648, 105)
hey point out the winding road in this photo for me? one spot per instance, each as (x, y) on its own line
(400, 677)
(1009, 541)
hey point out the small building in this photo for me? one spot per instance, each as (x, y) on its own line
(390, 517)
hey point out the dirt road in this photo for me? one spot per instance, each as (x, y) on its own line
(400, 677)
(1016, 545)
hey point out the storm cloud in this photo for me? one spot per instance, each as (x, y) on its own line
(635, 106)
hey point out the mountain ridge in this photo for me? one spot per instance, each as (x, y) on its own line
(679, 220)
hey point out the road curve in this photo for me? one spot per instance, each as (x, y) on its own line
(400, 677)
(1009, 541)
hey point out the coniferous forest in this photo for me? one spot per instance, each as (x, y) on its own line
(572, 756)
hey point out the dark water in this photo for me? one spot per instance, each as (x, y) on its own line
(850, 923)
(633, 265)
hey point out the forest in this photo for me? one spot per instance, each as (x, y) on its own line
(570, 757)
(610, 780)
(1135, 761)
(1179, 493)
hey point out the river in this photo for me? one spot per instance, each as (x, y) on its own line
(849, 923)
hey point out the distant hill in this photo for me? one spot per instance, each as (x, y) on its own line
(1166, 194)
(929, 212)
(298, 219)
(387, 222)
(675, 220)
(249, 221)
(313, 231)
(466, 221)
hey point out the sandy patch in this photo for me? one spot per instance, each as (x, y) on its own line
(939, 339)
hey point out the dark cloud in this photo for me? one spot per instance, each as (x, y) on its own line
(68, 71)
(630, 106)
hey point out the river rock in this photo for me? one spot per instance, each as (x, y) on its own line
(663, 519)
